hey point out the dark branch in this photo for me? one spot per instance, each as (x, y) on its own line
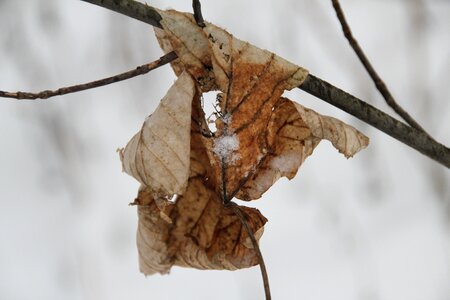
(237, 211)
(141, 70)
(197, 7)
(132, 9)
(378, 119)
(379, 83)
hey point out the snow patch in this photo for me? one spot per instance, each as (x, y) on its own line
(224, 147)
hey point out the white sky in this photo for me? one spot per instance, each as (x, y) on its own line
(372, 227)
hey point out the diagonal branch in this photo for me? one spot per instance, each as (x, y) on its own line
(323, 90)
(141, 70)
(379, 83)
(412, 137)
(132, 9)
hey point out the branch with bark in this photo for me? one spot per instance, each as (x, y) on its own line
(141, 70)
(415, 137)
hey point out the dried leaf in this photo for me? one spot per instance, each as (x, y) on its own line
(251, 79)
(260, 137)
(345, 138)
(198, 230)
(158, 155)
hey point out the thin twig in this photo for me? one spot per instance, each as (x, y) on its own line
(197, 7)
(238, 212)
(379, 83)
(141, 70)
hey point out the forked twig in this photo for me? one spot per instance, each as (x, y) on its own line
(141, 70)
(379, 83)
(238, 212)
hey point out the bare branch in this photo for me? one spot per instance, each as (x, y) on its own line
(379, 83)
(410, 136)
(238, 212)
(141, 70)
(196, 5)
(132, 9)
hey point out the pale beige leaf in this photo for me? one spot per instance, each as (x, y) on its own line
(344, 138)
(158, 155)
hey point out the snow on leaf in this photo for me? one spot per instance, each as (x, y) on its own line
(225, 145)
(158, 155)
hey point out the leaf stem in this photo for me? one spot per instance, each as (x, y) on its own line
(238, 212)
(197, 7)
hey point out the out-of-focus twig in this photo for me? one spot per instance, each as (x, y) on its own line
(379, 83)
(238, 212)
(141, 70)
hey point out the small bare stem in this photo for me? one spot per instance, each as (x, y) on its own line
(379, 83)
(238, 212)
(141, 70)
(196, 5)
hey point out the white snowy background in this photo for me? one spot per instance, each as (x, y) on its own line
(373, 227)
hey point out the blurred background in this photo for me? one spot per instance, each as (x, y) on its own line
(376, 226)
